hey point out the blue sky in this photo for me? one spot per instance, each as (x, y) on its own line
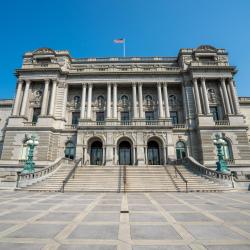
(151, 27)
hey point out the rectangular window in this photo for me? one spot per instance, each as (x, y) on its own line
(99, 117)
(125, 118)
(75, 118)
(215, 113)
(36, 113)
(149, 115)
(174, 117)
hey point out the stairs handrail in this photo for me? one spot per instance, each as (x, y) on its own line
(204, 171)
(182, 177)
(69, 175)
(40, 173)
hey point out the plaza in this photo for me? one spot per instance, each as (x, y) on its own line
(134, 221)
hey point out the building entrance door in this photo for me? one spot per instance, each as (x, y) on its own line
(125, 157)
(153, 153)
(96, 153)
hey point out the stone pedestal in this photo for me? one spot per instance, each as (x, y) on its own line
(205, 120)
(17, 121)
(236, 120)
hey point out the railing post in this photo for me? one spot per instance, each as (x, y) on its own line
(18, 178)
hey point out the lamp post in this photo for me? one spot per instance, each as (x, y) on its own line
(221, 164)
(29, 166)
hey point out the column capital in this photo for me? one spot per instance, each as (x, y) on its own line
(28, 81)
(134, 83)
(203, 79)
(84, 84)
(222, 79)
(20, 80)
(140, 83)
(46, 81)
(54, 80)
(159, 84)
(90, 84)
(115, 84)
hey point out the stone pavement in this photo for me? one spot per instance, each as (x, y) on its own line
(100, 221)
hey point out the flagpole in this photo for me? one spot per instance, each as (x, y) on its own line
(124, 48)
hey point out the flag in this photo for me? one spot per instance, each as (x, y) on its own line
(119, 40)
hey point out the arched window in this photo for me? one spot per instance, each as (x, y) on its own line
(100, 101)
(153, 153)
(226, 150)
(70, 150)
(124, 100)
(180, 150)
(149, 100)
(211, 95)
(96, 153)
(172, 100)
(77, 101)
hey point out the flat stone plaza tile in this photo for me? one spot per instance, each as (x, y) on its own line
(212, 232)
(106, 208)
(153, 232)
(104, 217)
(4, 226)
(108, 232)
(244, 227)
(20, 246)
(142, 208)
(176, 207)
(86, 247)
(168, 247)
(211, 207)
(75, 208)
(39, 207)
(190, 217)
(232, 216)
(18, 215)
(229, 247)
(37, 231)
(146, 217)
(58, 216)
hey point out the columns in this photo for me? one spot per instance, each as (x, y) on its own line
(160, 101)
(197, 96)
(53, 97)
(108, 100)
(45, 98)
(65, 100)
(25, 97)
(90, 86)
(18, 96)
(230, 98)
(234, 97)
(115, 101)
(140, 101)
(134, 100)
(225, 95)
(83, 101)
(204, 90)
(165, 95)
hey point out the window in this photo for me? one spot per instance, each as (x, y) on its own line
(211, 95)
(125, 118)
(70, 150)
(149, 100)
(100, 101)
(36, 113)
(99, 117)
(215, 113)
(124, 100)
(77, 101)
(174, 117)
(149, 115)
(75, 118)
(180, 150)
(172, 100)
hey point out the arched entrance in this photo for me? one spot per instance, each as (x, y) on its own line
(70, 150)
(125, 153)
(96, 153)
(180, 150)
(153, 153)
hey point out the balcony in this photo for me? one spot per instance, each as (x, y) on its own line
(222, 123)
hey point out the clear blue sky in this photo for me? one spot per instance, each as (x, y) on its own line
(151, 27)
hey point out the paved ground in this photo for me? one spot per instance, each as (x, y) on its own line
(156, 221)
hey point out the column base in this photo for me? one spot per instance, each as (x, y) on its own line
(205, 120)
(236, 120)
(17, 121)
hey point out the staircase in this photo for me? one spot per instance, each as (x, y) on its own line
(127, 179)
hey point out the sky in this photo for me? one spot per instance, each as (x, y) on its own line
(87, 28)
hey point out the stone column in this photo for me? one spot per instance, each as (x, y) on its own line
(53, 97)
(18, 96)
(90, 86)
(134, 100)
(204, 90)
(25, 97)
(45, 98)
(225, 95)
(230, 98)
(160, 101)
(65, 100)
(83, 101)
(165, 94)
(108, 100)
(234, 97)
(197, 96)
(140, 100)
(115, 101)
(184, 100)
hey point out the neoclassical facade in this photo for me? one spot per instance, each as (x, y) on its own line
(127, 111)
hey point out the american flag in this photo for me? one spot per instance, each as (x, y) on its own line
(119, 40)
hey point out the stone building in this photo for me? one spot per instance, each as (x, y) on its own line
(128, 111)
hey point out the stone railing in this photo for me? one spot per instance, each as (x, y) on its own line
(222, 123)
(201, 170)
(24, 180)
(136, 123)
(71, 126)
(179, 126)
(209, 63)
(29, 124)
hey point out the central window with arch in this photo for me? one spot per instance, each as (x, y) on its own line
(70, 150)
(125, 153)
(153, 153)
(180, 150)
(96, 153)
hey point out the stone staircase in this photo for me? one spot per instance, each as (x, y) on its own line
(130, 179)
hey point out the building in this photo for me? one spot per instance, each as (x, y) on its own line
(127, 111)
